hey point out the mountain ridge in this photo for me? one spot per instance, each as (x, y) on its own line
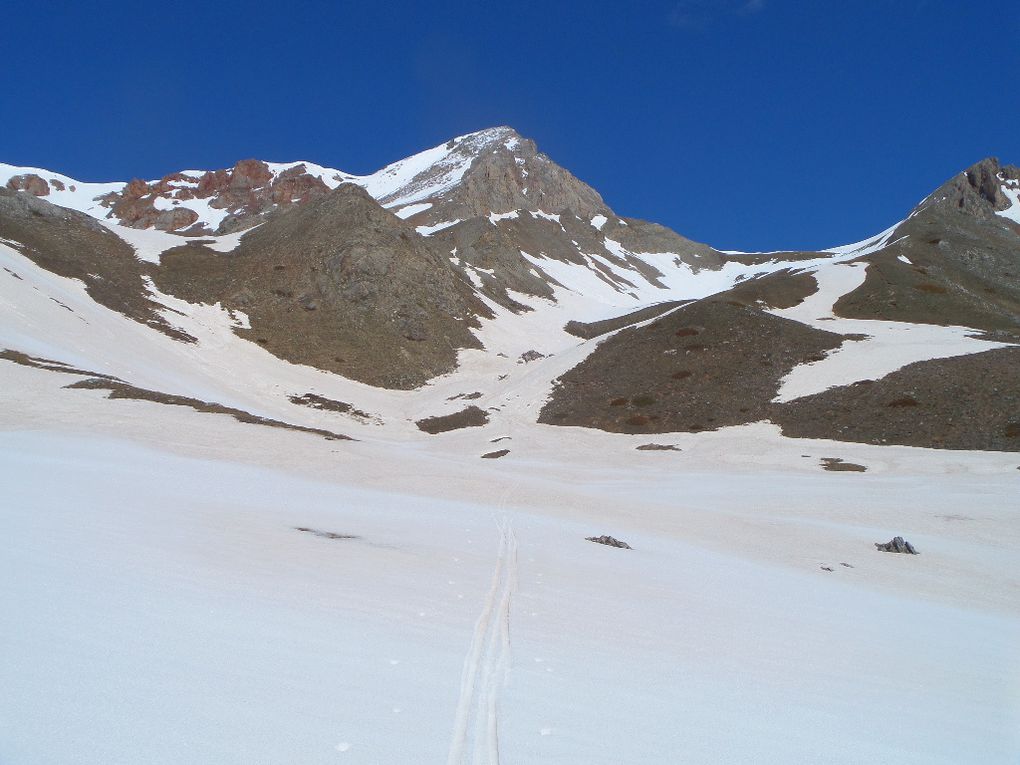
(481, 267)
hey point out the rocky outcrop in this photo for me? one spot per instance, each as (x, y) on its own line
(469, 417)
(977, 191)
(246, 193)
(31, 183)
(504, 172)
(896, 545)
(609, 541)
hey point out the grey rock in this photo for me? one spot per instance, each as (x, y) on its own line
(605, 539)
(896, 545)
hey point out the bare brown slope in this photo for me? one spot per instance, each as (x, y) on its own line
(704, 366)
(340, 284)
(966, 402)
(72, 244)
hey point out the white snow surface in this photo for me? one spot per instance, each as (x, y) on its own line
(430, 230)
(167, 608)
(409, 210)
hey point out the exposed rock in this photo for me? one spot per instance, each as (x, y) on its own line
(323, 403)
(118, 389)
(31, 183)
(248, 192)
(610, 541)
(528, 356)
(471, 417)
(506, 173)
(325, 534)
(466, 396)
(836, 465)
(496, 454)
(977, 191)
(896, 545)
(658, 448)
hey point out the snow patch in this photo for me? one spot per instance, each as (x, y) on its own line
(407, 212)
(1013, 211)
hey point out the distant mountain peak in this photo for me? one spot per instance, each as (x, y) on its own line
(983, 190)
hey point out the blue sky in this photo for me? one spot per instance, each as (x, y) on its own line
(749, 124)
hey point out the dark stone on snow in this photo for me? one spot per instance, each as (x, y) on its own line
(611, 541)
(896, 545)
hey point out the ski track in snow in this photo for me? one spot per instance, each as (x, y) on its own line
(487, 664)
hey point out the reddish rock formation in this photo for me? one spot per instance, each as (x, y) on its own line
(31, 183)
(246, 191)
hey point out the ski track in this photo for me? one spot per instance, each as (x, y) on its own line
(487, 664)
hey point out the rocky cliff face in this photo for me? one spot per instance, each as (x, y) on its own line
(979, 191)
(239, 198)
(502, 172)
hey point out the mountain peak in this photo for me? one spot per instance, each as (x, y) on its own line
(983, 190)
(495, 170)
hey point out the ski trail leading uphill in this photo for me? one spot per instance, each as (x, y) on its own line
(486, 665)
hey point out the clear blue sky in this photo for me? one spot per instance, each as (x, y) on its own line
(749, 124)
